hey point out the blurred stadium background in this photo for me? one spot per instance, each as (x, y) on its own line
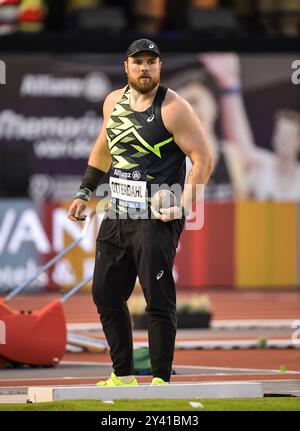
(236, 62)
(62, 58)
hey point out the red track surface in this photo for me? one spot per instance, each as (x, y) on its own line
(225, 305)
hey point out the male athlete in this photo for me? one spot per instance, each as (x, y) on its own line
(147, 132)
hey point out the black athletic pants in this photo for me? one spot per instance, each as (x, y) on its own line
(127, 248)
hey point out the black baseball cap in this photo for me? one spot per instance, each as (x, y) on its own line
(141, 45)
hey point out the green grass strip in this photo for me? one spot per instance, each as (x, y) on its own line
(229, 404)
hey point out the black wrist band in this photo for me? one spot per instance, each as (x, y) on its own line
(91, 178)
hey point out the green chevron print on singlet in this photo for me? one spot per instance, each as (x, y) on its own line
(123, 133)
(139, 142)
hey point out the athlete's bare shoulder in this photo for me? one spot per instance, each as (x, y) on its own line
(111, 99)
(174, 109)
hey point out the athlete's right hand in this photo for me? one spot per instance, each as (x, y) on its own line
(76, 209)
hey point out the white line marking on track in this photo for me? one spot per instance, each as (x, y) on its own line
(203, 367)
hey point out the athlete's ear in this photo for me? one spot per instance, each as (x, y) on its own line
(126, 66)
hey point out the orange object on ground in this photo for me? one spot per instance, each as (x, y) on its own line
(5, 310)
(34, 337)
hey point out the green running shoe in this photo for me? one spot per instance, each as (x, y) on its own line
(115, 381)
(158, 381)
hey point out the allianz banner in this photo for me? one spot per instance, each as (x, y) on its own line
(51, 113)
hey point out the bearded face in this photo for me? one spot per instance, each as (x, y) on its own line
(143, 72)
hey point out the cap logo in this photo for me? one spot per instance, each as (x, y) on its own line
(151, 46)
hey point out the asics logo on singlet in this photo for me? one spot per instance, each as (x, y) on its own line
(159, 275)
(151, 118)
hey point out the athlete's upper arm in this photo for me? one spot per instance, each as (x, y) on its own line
(181, 120)
(100, 156)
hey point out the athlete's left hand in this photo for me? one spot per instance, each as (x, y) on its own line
(168, 214)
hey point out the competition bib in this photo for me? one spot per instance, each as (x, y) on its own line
(128, 188)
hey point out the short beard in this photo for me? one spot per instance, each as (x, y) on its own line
(144, 88)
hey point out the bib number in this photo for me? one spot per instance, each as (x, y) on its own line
(128, 188)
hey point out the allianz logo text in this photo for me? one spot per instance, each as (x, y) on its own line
(2, 72)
